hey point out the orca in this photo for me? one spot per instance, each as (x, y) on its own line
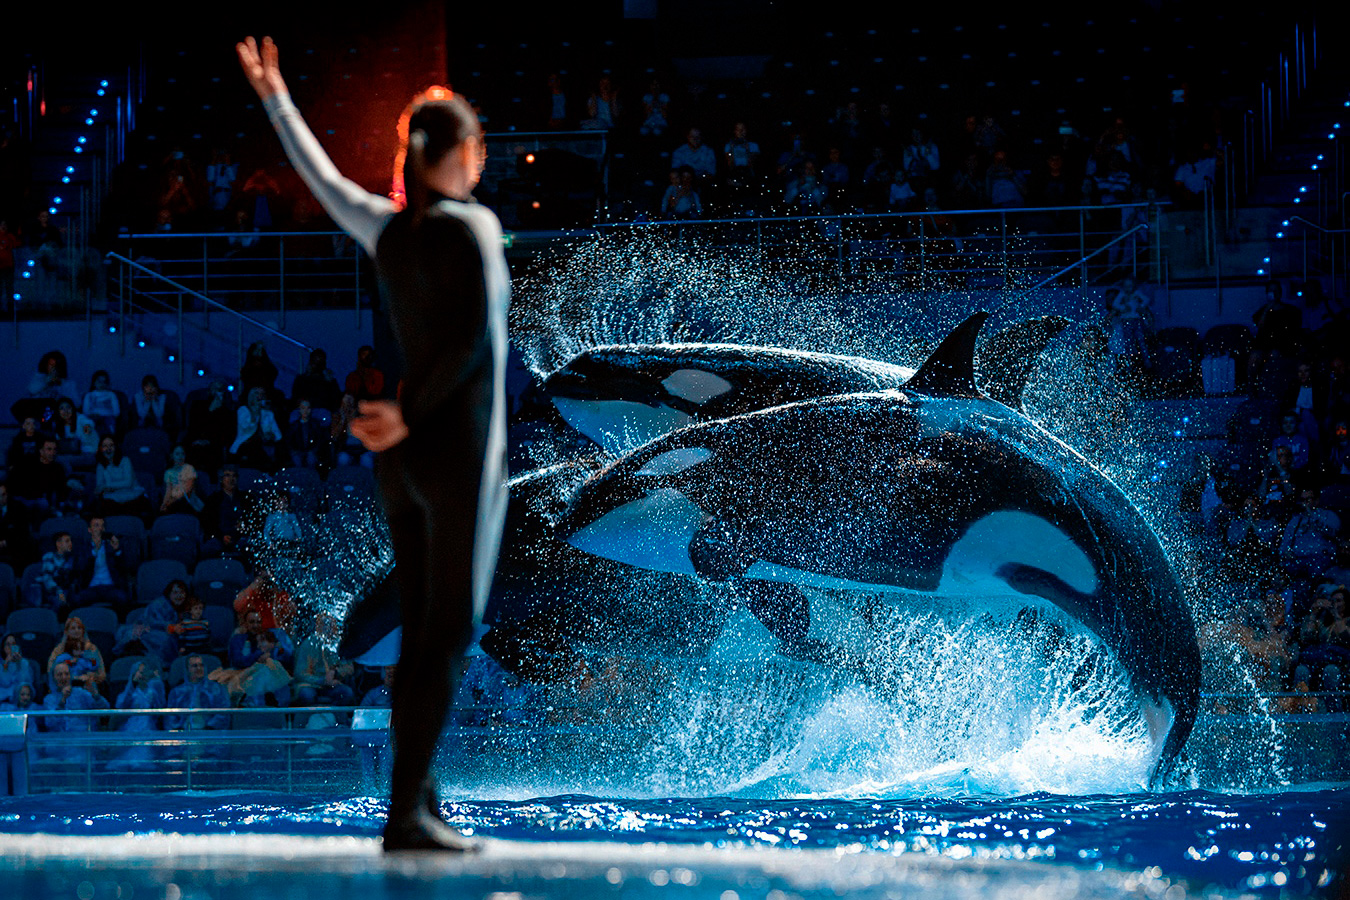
(621, 396)
(930, 487)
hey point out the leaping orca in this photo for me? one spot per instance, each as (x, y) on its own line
(625, 395)
(930, 487)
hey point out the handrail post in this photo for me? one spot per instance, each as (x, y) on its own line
(356, 284)
(281, 279)
(923, 252)
(1003, 241)
(1082, 246)
(1207, 200)
(180, 338)
(122, 309)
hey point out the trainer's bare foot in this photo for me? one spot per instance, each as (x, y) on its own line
(424, 831)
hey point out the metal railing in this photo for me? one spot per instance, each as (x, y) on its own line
(1320, 257)
(253, 269)
(157, 296)
(262, 747)
(940, 248)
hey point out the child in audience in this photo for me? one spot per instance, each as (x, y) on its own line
(193, 631)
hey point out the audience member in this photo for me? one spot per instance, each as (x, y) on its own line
(316, 384)
(100, 570)
(51, 381)
(365, 382)
(15, 669)
(681, 199)
(144, 690)
(65, 696)
(307, 439)
(1290, 437)
(693, 153)
(73, 631)
(192, 631)
(101, 403)
(382, 694)
(258, 371)
(25, 444)
(150, 635)
(1310, 536)
(221, 514)
(273, 604)
(920, 161)
(258, 435)
(655, 110)
(199, 693)
(117, 491)
(152, 408)
(211, 426)
(54, 588)
(346, 449)
(74, 432)
(805, 194)
(182, 496)
(257, 665)
(42, 482)
(321, 678)
(602, 107)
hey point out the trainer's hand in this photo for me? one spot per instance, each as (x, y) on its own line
(262, 69)
(380, 425)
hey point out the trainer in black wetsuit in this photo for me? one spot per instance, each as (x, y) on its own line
(442, 465)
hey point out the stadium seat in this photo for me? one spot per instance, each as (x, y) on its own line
(48, 530)
(120, 671)
(97, 618)
(222, 621)
(36, 630)
(25, 595)
(215, 582)
(1176, 361)
(131, 531)
(255, 480)
(8, 586)
(148, 449)
(40, 620)
(350, 485)
(178, 671)
(305, 488)
(176, 536)
(154, 575)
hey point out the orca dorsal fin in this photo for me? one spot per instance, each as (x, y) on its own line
(950, 369)
(1009, 356)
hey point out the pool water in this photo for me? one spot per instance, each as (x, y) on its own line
(1289, 843)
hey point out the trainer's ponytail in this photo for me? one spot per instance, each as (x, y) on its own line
(415, 178)
(436, 123)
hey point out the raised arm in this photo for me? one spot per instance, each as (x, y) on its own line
(358, 212)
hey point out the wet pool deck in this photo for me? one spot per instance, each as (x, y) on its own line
(259, 867)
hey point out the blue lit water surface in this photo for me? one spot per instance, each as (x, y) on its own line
(1289, 842)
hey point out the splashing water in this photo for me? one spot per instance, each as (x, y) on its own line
(943, 704)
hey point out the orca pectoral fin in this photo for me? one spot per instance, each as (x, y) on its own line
(1039, 583)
